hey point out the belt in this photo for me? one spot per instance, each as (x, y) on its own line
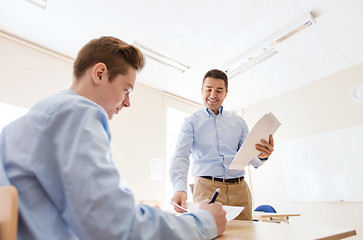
(230, 180)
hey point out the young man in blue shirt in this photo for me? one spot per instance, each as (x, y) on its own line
(58, 157)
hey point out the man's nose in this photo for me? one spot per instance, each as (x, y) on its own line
(213, 94)
(126, 102)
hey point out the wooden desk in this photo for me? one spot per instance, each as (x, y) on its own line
(273, 217)
(248, 230)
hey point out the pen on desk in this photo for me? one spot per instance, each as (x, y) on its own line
(215, 195)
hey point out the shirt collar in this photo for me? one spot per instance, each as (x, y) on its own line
(210, 112)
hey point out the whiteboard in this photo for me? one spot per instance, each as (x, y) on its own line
(325, 167)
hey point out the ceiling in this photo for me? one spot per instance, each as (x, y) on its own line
(203, 34)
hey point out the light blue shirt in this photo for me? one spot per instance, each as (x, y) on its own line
(213, 140)
(58, 157)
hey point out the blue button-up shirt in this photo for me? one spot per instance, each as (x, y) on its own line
(213, 140)
(58, 157)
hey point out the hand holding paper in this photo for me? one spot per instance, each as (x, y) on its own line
(265, 148)
(265, 127)
(179, 199)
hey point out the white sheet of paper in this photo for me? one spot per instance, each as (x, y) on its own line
(231, 211)
(267, 125)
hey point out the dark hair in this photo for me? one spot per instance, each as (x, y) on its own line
(215, 73)
(113, 52)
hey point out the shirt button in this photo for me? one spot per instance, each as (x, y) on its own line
(220, 141)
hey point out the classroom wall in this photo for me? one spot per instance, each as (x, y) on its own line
(28, 75)
(321, 106)
(139, 134)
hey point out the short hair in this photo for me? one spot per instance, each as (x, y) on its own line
(215, 73)
(116, 54)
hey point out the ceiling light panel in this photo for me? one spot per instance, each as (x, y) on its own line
(38, 3)
(161, 58)
(267, 48)
(244, 66)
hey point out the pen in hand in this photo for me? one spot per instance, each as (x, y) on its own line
(215, 195)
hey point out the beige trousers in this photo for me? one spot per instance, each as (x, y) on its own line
(232, 194)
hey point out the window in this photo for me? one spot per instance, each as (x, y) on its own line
(174, 122)
(177, 109)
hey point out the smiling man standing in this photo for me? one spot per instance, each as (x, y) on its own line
(58, 157)
(213, 137)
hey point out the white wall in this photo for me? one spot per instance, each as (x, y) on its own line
(138, 134)
(321, 106)
(28, 75)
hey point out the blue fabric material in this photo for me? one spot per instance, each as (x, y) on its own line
(58, 157)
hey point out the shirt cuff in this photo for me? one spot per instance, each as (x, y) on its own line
(208, 223)
(180, 186)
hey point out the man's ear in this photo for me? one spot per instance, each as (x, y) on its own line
(99, 70)
(226, 94)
